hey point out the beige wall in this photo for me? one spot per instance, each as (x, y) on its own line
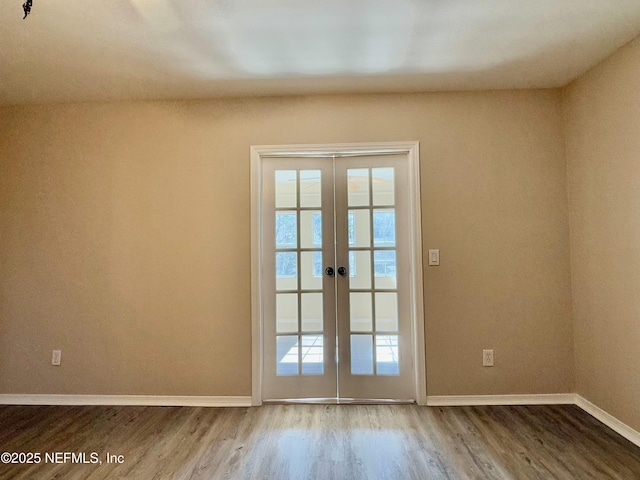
(603, 151)
(125, 238)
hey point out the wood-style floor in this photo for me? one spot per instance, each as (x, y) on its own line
(317, 442)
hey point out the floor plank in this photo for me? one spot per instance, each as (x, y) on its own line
(318, 442)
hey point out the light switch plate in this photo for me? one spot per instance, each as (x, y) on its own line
(434, 257)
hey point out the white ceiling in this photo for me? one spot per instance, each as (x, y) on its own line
(140, 49)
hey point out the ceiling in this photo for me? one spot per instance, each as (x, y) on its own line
(94, 50)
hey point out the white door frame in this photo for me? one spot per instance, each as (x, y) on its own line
(411, 149)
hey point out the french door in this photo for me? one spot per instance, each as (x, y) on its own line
(335, 278)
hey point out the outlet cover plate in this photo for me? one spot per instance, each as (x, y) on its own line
(56, 357)
(487, 358)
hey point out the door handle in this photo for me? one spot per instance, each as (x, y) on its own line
(342, 271)
(329, 271)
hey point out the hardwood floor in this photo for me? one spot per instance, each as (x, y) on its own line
(317, 442)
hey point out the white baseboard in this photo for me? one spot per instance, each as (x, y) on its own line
(469, 400)
(129, 400)
(609, 420)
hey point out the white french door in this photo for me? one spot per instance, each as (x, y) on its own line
(336, 278)
(299, 297)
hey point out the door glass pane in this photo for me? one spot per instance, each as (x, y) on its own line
(384, 262)
(383, 186)
(312, 355)
(358, 187)
(361, 354)
(286, 189)
(286, 230)
(387, 355)
(311, 270)
(287, 354)
(361, 316)
(386, 312)
(384, 228)
(286, 271)
(311, 312)
(286, 312)
(360, 270)
(310, 188)
(359, 228)
(310, 229)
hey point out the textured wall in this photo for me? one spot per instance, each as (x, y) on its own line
(602, 111)
(125, 238)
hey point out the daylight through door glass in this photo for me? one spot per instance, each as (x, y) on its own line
(373, 295)
(299, 297)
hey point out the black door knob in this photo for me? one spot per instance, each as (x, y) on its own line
(342, 271)
(329, 271)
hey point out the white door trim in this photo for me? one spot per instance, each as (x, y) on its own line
(344, 149)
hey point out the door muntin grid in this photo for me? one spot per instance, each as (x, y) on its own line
(298, 269)
(373, 293)
(367, 235)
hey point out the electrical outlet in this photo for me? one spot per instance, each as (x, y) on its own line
(487, 358)
(56, 357)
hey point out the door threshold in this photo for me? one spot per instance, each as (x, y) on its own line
(339, 401)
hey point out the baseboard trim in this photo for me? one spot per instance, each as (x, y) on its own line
(127, 400)
(609, 420)
(470, 400)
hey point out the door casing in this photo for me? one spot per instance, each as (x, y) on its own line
(411, 149)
